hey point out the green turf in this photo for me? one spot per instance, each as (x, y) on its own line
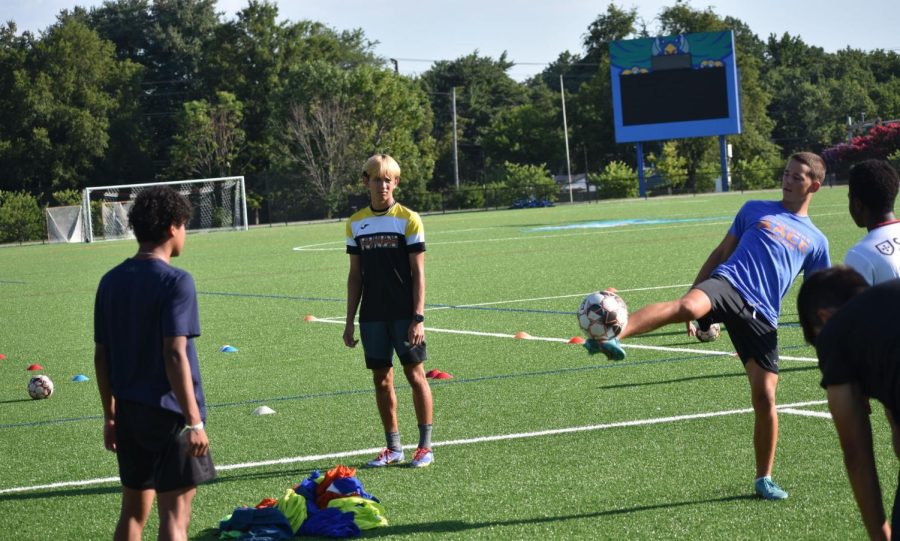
(488, 272)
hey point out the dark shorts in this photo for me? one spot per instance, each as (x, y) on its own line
(152, 452)
(752, 336)
(380, 339)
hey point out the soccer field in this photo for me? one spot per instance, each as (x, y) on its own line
(533, 438)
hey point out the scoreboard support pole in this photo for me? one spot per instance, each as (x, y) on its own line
(642, 187)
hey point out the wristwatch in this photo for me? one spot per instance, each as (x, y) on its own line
(418, 318)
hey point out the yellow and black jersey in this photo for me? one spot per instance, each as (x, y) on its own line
(383, 241)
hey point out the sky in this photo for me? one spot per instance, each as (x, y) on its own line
(532, 32)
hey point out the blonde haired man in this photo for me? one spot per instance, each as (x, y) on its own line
(386, 282)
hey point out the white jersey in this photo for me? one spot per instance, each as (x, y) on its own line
(877, 256)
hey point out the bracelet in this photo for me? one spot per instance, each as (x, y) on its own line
(192, 428)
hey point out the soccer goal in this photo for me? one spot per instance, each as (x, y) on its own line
(219, 203)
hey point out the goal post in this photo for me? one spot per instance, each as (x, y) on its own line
(218, 203)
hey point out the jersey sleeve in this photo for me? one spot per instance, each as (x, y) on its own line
(415, 234)
(352, 246)
(819, 259)
(860, 264)
(739, 225)
(180, 314)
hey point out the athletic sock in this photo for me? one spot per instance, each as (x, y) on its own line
(425, 436)
(393, 441)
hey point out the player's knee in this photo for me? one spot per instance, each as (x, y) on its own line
(689, 309)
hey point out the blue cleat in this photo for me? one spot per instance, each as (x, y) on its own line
(611, 348)
(768, 490)
(385, 458)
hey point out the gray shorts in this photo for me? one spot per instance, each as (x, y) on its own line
(752, 336)
(380, 339)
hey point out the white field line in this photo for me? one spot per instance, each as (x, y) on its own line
(554, 297)
(466, 441)
(595, 231)
(340, 321)
(807, 413)
(341, 245)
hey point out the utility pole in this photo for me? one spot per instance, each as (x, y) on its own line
(562, 95)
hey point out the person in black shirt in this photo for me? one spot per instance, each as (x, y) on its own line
(854, 329)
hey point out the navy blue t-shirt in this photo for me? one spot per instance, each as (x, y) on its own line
(860, 344)
(138, 303)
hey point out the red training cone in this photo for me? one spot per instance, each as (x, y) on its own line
(576, 340)
(34, 367)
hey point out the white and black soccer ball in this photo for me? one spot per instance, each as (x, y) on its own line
(602, 315)
(40, 387)
(710, 335)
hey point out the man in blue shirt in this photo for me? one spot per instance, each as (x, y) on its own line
(145, 320)
(741, 284)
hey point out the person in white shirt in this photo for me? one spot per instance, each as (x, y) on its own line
(873, 189)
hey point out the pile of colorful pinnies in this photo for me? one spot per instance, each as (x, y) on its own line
(331, 505)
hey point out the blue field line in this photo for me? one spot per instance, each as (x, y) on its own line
(604, 224)
(369, 390)
(343, 301)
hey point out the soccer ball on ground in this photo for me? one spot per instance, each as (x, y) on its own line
(602, 315)
(710, 335)
(40, 387)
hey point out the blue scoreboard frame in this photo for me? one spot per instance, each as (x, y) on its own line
(673, 87)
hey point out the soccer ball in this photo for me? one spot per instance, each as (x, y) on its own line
(602, 315)
(40, 387)
(710, 335)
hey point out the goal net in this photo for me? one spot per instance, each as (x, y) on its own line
(219, 203)
(64, 224)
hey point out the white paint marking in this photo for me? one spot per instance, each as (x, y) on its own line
(466, 441)
(313, 247)
(554, 297)
(807, 413)
(629, 345)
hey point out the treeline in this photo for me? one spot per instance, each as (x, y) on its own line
(135, 91)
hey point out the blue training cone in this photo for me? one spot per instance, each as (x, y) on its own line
(80, 377)
(228, 349)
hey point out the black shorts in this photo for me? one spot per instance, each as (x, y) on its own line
(380, 339)
(752, 336)
(152, 451)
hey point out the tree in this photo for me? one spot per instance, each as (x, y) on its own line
(528, 182)
(253, 55)
(20, 217)
(209, 138)
(322, 135)
(62, 97)
(531, 133)
(484, 90)
(616, 180)
(671, 166)
(337, 117)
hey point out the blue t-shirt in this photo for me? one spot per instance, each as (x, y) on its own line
(138, 303)
(774, 245)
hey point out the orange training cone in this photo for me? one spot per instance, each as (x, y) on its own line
(576, 340)
(521, 335)
(309, 318)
